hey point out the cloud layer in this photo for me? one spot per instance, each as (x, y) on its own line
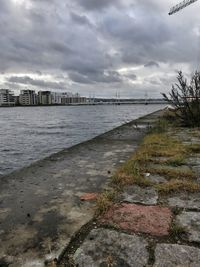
(96, 47)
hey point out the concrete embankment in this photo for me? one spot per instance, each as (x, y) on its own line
(40, 205)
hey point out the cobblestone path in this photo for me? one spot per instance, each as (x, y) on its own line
(144, 227)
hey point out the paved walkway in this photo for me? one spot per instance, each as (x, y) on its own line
(41, 207)
(145, 228)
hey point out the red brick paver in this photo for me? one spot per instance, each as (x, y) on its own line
(89, 197)
(152, 220)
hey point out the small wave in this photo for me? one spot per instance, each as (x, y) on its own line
(48, 133)
(54, 127)
(6, 150)
(32, 136)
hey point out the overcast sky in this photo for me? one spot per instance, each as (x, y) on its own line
(97, 47)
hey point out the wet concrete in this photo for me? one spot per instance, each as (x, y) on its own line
(40, 206)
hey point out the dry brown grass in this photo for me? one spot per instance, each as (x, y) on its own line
(154, 145)
(172, 173)
(196, 132)
(177, 186)
(105, 200)
(175, 161)
(166, 153)
(194, 148)
(121, 180)
(131, 167)
(162, 145)
(153, 148)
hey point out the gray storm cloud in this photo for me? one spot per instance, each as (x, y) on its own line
(26, 80)
(92, 45)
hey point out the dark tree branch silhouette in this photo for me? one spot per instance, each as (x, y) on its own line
(185, 98)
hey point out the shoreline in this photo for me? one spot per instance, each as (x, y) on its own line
(54, 156)
(90, 104)
(41, 202)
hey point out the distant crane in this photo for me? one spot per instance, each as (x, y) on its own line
(180, 6)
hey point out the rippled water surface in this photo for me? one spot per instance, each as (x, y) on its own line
(31, 133)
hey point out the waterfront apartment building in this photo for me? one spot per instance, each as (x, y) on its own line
(28, 98)
(56, 98)
(7, 98)
(44, 98)
(67, 98)
(31, 98)
(73, 99)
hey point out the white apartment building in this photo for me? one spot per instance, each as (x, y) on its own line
(44, 98)
(28, 98)
(6, 98)
(73, 99)
(67, 98)
(57, 97)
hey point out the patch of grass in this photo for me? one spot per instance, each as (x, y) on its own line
(154, 145)
(196, 132)
(121, 180)
(194, 148)
(139, 159)
(158, 147)
(131, 167)
(178, 185)
(176, 210)
(176, 230)
(132, 172)
(104, 201)
(176, 161)
(162, 145)
(162, 125)
(171, 117)
(172, 173)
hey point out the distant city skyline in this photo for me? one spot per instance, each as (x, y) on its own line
(32, 98)
(96, 47)
(29, 97)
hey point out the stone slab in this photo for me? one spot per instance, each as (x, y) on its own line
(193, 161)
(168, 255)
(110, 248)
(137, 194)
(196, 169)
(182, 168)
(191, 222)
(155, 178)
(185, 200)
(152, 220)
